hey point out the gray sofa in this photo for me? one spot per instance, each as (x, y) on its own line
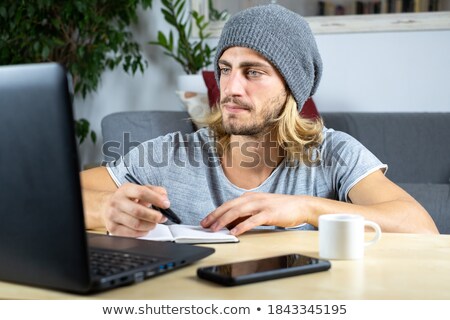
(416, 146)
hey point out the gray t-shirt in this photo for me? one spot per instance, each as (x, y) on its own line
(189, 168)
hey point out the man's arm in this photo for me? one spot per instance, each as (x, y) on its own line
(402, 213)
(97, 187)
(382, 201)
(124, 210)
(375, 197)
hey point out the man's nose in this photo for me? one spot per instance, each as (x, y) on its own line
(233, 84)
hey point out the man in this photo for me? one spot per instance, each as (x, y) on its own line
(259, 163)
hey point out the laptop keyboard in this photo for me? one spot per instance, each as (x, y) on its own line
(106, 263)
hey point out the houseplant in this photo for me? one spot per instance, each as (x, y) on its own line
(86, 36)
(192, 54)
(216, 15)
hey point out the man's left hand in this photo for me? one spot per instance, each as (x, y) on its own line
(256, 209)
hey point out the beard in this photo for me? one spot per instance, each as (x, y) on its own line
(258, 124)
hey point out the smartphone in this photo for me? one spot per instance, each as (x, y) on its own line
(243, 272)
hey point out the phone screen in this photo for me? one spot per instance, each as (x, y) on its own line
(263, 269)
(239, 269)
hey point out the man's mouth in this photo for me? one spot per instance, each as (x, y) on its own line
(233, 108)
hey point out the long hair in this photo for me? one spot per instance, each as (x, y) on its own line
(295, 134)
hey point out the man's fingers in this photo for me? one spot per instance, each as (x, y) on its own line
(148, 194)
(224, 208)
(240, 211)
(128, 212)
(122, 230)
(162, 191)
(212, 218)
(250, 223)
(123, 204)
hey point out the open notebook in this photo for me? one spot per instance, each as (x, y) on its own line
(182, 233)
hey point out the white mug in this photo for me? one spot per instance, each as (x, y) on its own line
(341, 236)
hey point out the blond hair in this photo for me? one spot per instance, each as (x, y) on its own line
(295, 134)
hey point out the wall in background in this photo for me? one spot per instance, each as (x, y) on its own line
(365, 72)
(385, 72)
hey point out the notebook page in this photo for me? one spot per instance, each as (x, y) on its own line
(197, 234)
(160, 233)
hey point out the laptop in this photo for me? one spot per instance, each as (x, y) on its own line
(43, 241)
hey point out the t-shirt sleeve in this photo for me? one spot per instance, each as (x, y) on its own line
(144, 162)
(347, 161)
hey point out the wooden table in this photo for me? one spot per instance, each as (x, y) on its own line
(399, 266)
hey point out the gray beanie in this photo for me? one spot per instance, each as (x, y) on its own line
(284, 38)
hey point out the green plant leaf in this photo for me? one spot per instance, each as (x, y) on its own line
(45, 53)
(180, 9)
(170, 40)
(162, 39)
(93, 136)
(36, 46)
(192, 56)
(170, 19)
(86, 37)
(3, 12)
(166, 3)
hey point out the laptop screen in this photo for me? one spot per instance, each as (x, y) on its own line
(41, 217)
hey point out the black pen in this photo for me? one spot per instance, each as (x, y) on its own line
(166, 212)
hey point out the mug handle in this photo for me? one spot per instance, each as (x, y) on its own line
(377, 230)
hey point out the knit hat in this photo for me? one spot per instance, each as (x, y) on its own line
(284, 38)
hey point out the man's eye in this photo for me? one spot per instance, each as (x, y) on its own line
(253, 73)
(224, 70)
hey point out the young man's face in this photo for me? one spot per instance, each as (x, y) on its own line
(252, 92)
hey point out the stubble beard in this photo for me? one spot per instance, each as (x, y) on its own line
(258, 125)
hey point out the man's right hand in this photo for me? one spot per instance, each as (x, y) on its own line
(128, 211)
(124, 211)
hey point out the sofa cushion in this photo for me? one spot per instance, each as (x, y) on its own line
(435, 198)
(122, 131)
(414, 145)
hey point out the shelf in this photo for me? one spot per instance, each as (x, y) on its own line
(437, 20)
(370, 23)
(380, 22)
